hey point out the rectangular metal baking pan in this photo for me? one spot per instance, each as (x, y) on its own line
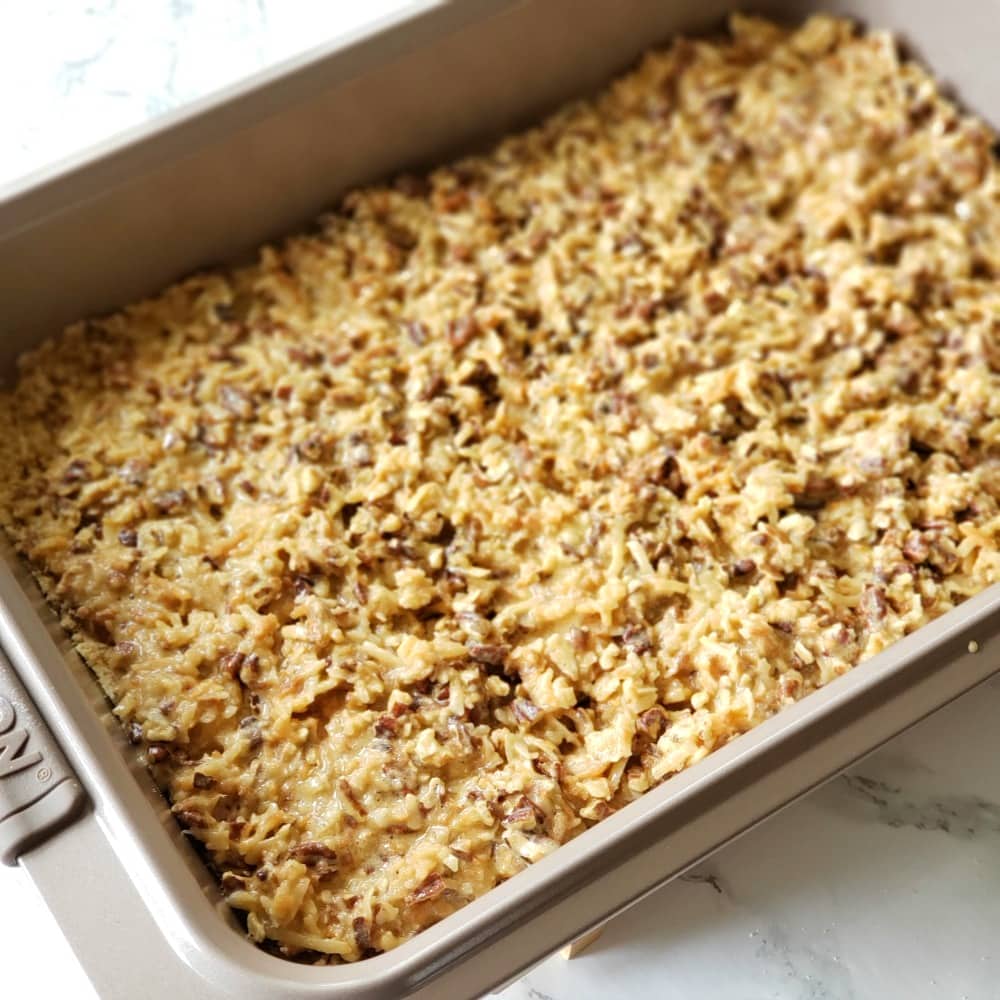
(213, 181)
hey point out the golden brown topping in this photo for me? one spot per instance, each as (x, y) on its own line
(513, 490)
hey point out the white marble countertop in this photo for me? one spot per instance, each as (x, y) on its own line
(884, 884)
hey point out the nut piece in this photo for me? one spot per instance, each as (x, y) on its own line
(171, 502)
(431, 888)
(490, 655)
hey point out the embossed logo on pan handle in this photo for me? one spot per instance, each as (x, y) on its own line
(39, 793)
(12, 743)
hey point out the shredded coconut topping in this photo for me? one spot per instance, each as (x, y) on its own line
(435, 536)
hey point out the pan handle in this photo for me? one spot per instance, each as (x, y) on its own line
(39, 792)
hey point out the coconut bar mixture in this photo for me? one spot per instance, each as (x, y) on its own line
(437, 535)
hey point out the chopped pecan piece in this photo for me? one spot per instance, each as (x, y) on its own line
(492, 655)
(873, 604)
(349, 793)
(312, 448)
(250, 728)
(483, 378)
(305, 357)
(669, 476)
(231, 663)
(452, 200)
(817, 493)
(386, 726)
(524, 813)
(225, 312)
(236, 401)
(461, 331)
(417, 332)
(916, 548)
(401, 237)
(722, 104)
(431, 888)
(76, 471)
(360, 454)
(653, 722)
(943, 555)
(434, 388)
(171, 502)
(636, 638)
(362, 934)
(310, 852)
(134, 472)
(190, 817)
(524, 710)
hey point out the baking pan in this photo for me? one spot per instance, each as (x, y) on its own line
(208, 184)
